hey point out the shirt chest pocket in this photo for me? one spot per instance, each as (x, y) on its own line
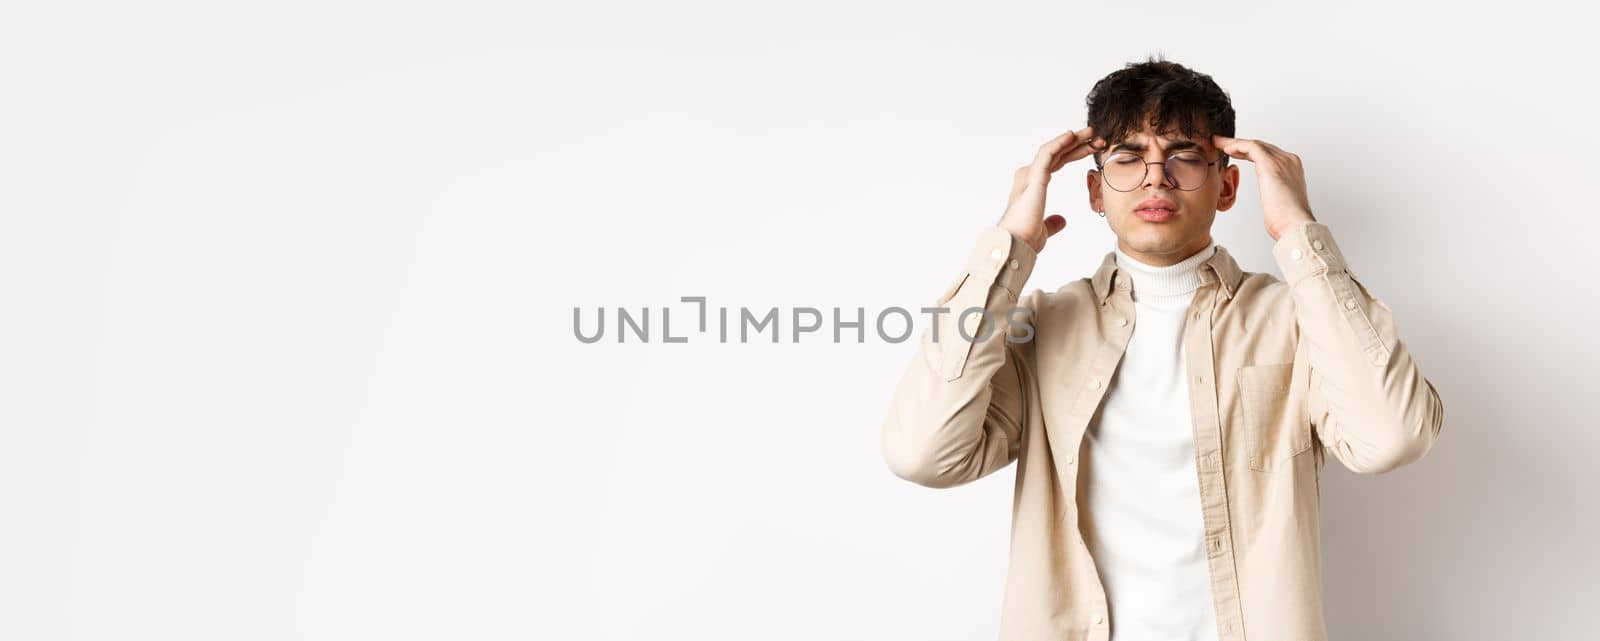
(1275, 430)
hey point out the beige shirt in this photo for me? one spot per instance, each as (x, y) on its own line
(1281, 373)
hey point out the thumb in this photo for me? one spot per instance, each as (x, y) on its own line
(1053, 224)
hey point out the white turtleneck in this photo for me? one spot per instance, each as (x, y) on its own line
(1141, 498)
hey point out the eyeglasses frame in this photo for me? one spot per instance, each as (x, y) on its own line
(1102, 169)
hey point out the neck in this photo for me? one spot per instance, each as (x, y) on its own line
(1180, 277)
(1164, 259)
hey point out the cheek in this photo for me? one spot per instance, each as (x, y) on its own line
(1196, 205)
(1202, 199)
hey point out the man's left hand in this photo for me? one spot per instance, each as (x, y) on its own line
(1282, 180)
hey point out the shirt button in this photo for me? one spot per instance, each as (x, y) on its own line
(1095, 383)
(1199, 379)
(1099, 619)
(1316, 244)
(1294, 253)
(1015, 264)
(1071, 459)
(998, 254)
(1350, 304)
(1122, 322)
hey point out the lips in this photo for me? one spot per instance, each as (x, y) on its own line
(1156, 210)
(1157, 204)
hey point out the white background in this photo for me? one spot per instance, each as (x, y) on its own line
(287, 347)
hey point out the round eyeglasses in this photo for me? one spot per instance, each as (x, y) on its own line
(1184, 170)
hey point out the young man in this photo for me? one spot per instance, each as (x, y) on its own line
(1170, 414)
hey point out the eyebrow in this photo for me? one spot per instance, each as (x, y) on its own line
(1177, 145)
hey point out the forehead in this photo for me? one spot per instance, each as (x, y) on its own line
(1141, 141)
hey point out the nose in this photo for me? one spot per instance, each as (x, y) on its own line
(1155, 175)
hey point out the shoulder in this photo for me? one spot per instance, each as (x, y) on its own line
(1261, 285)
(1072, 296)
(1262, 296)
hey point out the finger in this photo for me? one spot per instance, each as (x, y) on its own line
(1085, 145)
(1081, 150)
(1245, 148)
(1053, 224)
(1284, 156)
(1270, 147)
(1068, 138)
(1060, 160)
(1047, 153)
(1048, 159)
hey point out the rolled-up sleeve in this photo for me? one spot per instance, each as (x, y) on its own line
(1369, 402)
(958, 410)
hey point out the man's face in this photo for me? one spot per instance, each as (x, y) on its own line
(1164, 238)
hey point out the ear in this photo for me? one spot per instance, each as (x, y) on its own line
(1230, 188)
(1093, 180)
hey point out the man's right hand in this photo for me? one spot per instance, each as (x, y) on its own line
(1024, 215)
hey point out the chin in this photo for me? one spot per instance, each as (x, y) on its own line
(1148, 237)
(1156, 232)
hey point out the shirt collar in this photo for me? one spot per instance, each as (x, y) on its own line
(1220, 267)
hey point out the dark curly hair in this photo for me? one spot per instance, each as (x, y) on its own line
(1165, 94)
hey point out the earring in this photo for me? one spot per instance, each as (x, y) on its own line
(1102, 212)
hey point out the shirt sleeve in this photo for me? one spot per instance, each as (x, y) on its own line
(959, 408)
(1369, 402)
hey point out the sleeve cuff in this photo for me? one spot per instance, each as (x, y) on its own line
(1002, 259)
(1306, 250)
